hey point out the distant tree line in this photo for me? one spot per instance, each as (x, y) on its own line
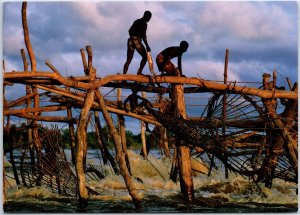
(132, 140)
(17, 136)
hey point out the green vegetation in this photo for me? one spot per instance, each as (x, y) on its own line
(133, 141)
(18, 136)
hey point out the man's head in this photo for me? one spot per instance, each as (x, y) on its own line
(184, 46)
(134, 91)
(147, 15)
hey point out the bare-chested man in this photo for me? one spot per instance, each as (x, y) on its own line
(137, 33)
(163, 60)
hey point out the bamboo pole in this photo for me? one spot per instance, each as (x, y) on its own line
(120, 156)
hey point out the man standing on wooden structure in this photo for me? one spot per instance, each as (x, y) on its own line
(163, 59)
(137, 33)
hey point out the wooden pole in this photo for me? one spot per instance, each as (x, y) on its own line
(82, 137)
(289, 83)
(148, 119)
(47, 118)
(143, 133)
(165, 142)
(28, 102)
(120, 156)
(224, 110)
(20, 77)
(39, 109)
(184, 157)
(106, 154)
(24, 99)
(99, 140)
(122, 132)
(11, 152)
(72, 133)
(30, 51)
(278, 139)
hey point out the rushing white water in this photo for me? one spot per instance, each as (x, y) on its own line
(159, 192)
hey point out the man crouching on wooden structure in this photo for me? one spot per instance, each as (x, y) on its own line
(163, 59)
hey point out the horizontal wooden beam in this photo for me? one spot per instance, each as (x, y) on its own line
(201, 83)
(39, 109)
(63, 92)
(48, 118)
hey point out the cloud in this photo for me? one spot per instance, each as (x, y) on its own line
(209, 70)
(248, 29)
(247, 20)
(261, 36)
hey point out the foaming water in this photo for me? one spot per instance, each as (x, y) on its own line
(160, 194)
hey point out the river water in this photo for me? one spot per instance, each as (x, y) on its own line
(159, 194)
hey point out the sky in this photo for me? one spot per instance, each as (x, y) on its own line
(262, 36)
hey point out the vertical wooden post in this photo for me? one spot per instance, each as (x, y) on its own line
(28, 102)
(165, 142)
(10, 139)
(143, 134)
(277, 138)
(30, 51)
(99, 140)
(11, 149)
(290, 142)
(82, 137)
(184, 157)
(174, 167)
(224, 111)
(122, 131)
(105, 153)
(72, 133)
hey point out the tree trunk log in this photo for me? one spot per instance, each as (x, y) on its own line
(201, 83)
(122, 131)
(143, 133)
(106, 152)
(184, 157)
(120, 156)
(72, 135)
